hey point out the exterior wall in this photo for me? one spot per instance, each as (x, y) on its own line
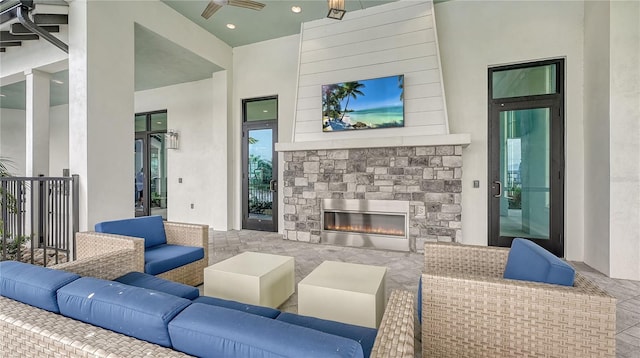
(58, 140)
(197, 161)
(428, 177)
(262, 69)
(624, 54)
(13, 128)
(596, 136)
(474, 36)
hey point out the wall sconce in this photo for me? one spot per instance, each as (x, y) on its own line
(336, 9)
(172, 139)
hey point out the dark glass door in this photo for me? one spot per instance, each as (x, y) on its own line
(259, 167)
(526, 156)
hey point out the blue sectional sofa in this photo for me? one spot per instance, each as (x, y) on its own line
(171, 315)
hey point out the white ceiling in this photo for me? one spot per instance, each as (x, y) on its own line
(160, 62)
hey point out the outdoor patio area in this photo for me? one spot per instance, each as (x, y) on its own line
(403, 272)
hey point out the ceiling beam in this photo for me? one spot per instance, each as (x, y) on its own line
(6, 36)
(51, 19)
(11, 44)
(21, 29)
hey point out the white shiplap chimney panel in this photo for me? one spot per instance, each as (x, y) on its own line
(392, 39)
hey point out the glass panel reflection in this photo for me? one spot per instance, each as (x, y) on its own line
(158, 175)
(260, 174)
(528, 81)
(524, 173)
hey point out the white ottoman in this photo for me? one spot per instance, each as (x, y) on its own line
(344, 292)
(253, 278)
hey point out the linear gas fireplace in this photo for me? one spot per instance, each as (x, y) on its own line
(379, 224)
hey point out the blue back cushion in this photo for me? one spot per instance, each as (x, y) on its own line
(133, 311)
(528, 261)
(33, 285)
(239, 306)
(150, 228)
(363, 335)
(162, 258)
(151, 282)
(210, 331)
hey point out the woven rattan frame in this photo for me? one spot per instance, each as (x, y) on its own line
(90, 244)
(469, 310)
(27, 331)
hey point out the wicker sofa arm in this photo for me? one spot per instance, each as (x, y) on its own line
(396, 333)
(107, 266)
(465, 259)
(187, 234)
(91, 243)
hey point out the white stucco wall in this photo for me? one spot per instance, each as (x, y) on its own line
(263, 69)
(596, 135)
(58, 140)
(12, 139)
(476, 35)
(624, 52)
(200, 159)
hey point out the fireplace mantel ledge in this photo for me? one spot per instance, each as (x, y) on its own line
(463, 139)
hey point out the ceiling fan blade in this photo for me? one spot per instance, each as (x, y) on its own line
(211, 8)
(247, 4)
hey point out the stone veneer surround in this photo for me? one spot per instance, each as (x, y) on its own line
(429, 177)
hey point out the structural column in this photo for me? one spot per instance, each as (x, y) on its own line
(37, 123)
(101, 111)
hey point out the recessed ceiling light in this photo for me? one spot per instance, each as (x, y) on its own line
(265, 111)
(296, 9)
(231, 26)
(159, 122)
(2, 95)
(58, 82)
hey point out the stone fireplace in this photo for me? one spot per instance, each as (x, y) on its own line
(426, 178)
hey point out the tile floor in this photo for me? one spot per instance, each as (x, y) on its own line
(404, 270)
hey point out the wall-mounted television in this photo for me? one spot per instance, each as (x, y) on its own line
(364, 104)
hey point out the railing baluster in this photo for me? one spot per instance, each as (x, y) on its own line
(41, 211)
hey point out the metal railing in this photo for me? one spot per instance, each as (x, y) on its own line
(39, 218)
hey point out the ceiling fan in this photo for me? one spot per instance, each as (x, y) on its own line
(215, 5)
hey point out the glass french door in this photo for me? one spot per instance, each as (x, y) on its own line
(259, 167)
(150, 178)
(526, 158)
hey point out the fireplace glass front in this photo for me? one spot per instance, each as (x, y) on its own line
(365, 223)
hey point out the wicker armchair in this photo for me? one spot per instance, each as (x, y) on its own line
(90, 244)
(469, 310)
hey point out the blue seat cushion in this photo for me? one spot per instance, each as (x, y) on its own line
(33, 285)
(150, 228)
(363, 335)
(133, 311)
(257, 310)
(528, 261)
(151, 282)
(162, 258)
(210, 331)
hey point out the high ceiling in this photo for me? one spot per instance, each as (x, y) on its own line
(275, 20)
(160, 62)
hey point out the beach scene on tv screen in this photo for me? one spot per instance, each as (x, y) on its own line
(364, 104)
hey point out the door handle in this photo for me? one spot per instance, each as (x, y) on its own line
(273, 185)
(499, 184)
